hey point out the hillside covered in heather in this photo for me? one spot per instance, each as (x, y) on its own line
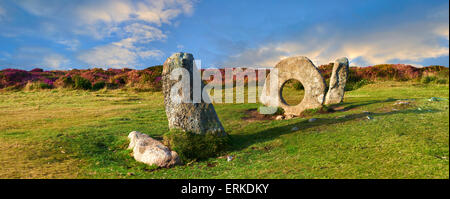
(149, 79)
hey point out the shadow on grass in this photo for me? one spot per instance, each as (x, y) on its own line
(352, 105)
(242, 141)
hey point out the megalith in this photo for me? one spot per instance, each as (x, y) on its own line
(299, 68)
(150, 151)
(338, 80)
(192, 116)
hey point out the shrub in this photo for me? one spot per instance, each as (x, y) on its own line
(428, 79)
(355, 85)
(111, 86)
(65, 82)
(190, 146)
(98, 85)
(81, 83)
(15, 87)
(145, 78)
(441, 81)
(37, 86)
(322, 110)
(434, 79)
(37, 70)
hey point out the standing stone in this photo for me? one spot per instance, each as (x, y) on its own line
(338, 80)
(302, 69)
(198, 118)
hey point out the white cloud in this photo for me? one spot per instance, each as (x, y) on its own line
(127, 51)
(31, 57)
(101, 18)
(55, 61)
(117, 55)
(2, 13)
(142, 33)
(131, 23)
(408, 43)
(71, 44)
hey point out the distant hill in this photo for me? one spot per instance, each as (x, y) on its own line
(149, 78)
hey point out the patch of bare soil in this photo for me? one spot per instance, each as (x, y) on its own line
(340, 108)
(254, 115)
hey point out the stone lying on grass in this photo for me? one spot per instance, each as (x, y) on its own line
(150, 151)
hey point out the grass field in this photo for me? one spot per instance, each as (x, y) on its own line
(82, 134)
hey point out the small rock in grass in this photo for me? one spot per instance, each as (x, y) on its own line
(230, 158)
(294, 128)
(369, 117)
(280, 117)
(436, 99)
(419, 109)
(312, 120)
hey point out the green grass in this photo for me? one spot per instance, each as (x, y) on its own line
(83, 134)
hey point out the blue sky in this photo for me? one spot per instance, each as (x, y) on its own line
(65, 34)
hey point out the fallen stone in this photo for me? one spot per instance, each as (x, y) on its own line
(369, 117)
(302, 69)
(338, 80)
(294, 128)
(150, 151)
(199, 118)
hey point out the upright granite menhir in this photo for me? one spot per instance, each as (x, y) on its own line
(302, 69)
(338, 80)
(198, 118)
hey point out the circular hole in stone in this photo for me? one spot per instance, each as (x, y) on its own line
(292, 92)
